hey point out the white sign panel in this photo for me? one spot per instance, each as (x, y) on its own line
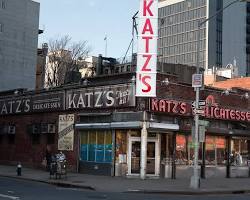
(147, 49)
(66, 132)
(197, 80)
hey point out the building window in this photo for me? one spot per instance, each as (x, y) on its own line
(215, 150)
(96, 146)
(3, 4)
(1, 27)
(121, 145)
(185, 150)
(240, 148)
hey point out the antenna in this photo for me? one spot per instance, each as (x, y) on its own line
(134, 29)
(106, 45)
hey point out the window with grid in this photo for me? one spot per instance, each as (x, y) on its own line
(96, 146)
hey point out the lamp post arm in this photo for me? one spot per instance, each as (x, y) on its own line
(218, 12)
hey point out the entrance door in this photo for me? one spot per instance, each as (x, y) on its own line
(151, 158)
(135, 157)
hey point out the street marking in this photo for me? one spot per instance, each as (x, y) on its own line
(9, 197)
(12, 192)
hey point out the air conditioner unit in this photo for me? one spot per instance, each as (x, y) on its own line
(11, 129)
(51, 128)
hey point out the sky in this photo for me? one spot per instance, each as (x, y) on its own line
(90, 20)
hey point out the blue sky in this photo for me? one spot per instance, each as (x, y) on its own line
(90, 20)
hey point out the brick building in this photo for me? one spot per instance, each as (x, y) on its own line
(108, 119)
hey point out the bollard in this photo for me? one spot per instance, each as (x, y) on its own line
(19, 169)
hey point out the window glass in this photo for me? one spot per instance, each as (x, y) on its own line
(239, 155)
(100, 147)
(84, 146)
(1, 27)
(181, 150)
(215, 150)
(108, 147)
(185, 150)
(92, 146)
(96, 146)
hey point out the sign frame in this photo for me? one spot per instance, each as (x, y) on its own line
(197, 80)
(146, 69)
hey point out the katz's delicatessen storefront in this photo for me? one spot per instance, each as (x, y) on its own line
(111, 142)
(224, 149)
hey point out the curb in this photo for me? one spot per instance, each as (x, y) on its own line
(191, 192)
(51, 182)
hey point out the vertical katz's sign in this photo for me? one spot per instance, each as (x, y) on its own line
(147, 49)
(66, 132)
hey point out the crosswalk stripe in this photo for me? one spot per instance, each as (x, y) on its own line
(9, 197)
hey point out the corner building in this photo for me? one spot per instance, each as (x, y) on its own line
(105, 137)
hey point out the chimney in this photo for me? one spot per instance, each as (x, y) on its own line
(99, 65)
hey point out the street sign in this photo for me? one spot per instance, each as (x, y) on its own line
(199, 111)
(200, 105)
(197, 80)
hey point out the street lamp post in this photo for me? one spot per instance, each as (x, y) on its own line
(195, 180)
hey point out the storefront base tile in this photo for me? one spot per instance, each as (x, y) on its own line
(214, 172)
(239, 172)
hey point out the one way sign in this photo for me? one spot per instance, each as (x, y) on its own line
(201, 104)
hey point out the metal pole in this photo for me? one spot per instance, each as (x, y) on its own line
(195, 179)
(228, 156)
(106, 45)
(144, 135)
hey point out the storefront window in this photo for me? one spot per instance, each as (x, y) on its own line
(215, 150)
(108, 148)
(121, 146)
(96, 146)
(100, 147)
(84, 146)
(92, 146)
(181, 150)
(185, 150)
(239, 155)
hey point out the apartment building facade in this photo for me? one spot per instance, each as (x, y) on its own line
(223, 38)
(19, 25)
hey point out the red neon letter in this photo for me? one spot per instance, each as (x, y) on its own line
(154, 105)
(144, 68)
(147, 27)
(147, 43)
(144, 81)
(146, 8)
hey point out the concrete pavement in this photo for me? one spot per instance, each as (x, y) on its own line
(121, 184)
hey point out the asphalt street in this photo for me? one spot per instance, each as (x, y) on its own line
(16, 189)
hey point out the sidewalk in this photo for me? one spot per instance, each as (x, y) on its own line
(121, 184)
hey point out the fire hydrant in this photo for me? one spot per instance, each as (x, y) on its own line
(19, 169)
